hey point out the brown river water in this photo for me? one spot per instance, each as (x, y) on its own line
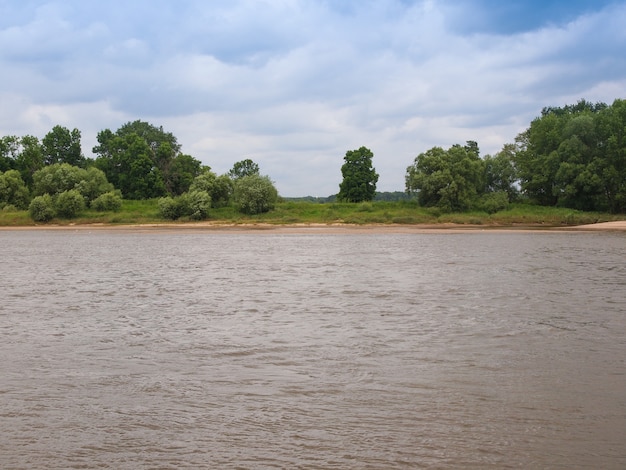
(205, 349)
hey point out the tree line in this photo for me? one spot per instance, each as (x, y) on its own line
(52, 177)
(571, 156)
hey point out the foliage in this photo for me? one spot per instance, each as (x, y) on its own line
(61, 145)
(199, 204)
(94, 183)
(500, 173)
(575, 157)
(29, 158)
(59, 177)
(195, 204)
(448, 179)
(493, 202)
(170, 208)
(144, 161)
(41, 208)
(220, 188)
(243, 168)
(13, 190)
(111, 201)
(181, 173)
(128, 164)
(69, 204)
(255, 194)
(54, 179)
(359, 176)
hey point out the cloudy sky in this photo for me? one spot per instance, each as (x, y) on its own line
(294, 84)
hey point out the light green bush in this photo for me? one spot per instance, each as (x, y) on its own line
(69, 204)
(111, 201)
(255, 194)
(41, 208)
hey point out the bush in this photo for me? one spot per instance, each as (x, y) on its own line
(169, 208)
(111, 201)
(493, 202)
(41, 208)
(194, 204)
(199, 204)
(13, 190)
(70, 203)
(255, 194)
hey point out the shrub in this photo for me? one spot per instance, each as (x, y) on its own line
(199, 204)
(255, 194)
(41, 208)
(169, 208)
(69, 203)
(111, 201)
(493, 202)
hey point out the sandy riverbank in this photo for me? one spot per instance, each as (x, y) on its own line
(329, 228)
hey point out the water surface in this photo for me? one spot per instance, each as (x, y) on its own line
(209, 349)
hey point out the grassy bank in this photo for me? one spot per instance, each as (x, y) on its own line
(382, 212)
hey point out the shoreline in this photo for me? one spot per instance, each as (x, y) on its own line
(217, 227)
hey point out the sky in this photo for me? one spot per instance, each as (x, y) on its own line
(294, 84)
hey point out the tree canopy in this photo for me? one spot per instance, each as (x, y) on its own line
(450, 179)
(359, 176)
(144, 161)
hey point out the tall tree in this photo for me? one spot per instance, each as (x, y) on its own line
(359, 176)
(449, 179)
(151, 155)
(243, 168)
(61, 145)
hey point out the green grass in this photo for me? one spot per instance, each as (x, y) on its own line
(301, 212)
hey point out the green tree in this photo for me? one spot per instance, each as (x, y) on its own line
(61, 145)
(9, 150)
(13, 190)
(127, 162)
(449, 179)
(30, 158)
(62, 177)
(41, 208)
(611, 168)
(359, 176)
(69, 204)
(243, 168)
(57, 178)
(255, 194)
(181, 173)
(220, 188)
(500, 172)
(152, 154)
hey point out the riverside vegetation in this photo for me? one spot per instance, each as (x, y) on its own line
(567, 168)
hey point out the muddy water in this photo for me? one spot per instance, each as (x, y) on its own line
(236, 350)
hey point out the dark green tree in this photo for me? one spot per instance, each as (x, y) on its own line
(9, 150)
(29, 159)
(500, 172)
(243, 168)
(128, 162)
(449, 179)
(152, 156)
(359, 176)
(61, 145)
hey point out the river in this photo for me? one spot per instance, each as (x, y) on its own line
(225, 349)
